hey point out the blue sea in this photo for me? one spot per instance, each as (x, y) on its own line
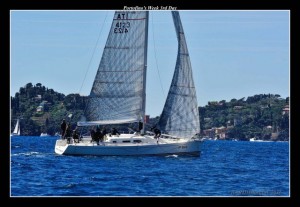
(224, 168)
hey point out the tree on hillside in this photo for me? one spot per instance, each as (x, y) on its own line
(22, 91)
(39, 85)
(28, 86)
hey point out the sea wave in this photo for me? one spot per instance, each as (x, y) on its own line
(223, 169)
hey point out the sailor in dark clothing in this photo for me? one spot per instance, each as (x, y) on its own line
(157, 133)
(115, 131)
(75, 136)
(98, 136)
(68, 134)
(101, 137)
(63, 127)
(93, 133)
(140, 126)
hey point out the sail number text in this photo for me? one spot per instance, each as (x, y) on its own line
(122, 27)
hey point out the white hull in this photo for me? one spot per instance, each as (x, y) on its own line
(149, 146)
(14, 135)
(255, 140)
(44, 135)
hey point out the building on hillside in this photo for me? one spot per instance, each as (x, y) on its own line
(38, 98)
(209, 133)
(40, 109)
(286, 110)
(147, 118)
(221, 132)
(207, 119)
(237, 107)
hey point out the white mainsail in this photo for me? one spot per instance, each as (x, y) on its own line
(118, 92)
(180, 116)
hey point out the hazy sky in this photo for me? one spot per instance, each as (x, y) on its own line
(234, 54)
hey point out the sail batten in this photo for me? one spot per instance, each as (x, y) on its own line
(180, 116)
(118, 89)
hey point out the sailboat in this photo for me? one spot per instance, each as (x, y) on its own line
(118, 96)
(16, 131)
(44, 134)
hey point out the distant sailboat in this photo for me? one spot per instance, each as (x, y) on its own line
(57, 134)
(255, 140)
(44, 135)
(118, 96)
(17, 129)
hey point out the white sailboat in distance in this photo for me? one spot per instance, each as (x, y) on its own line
(118, 96)
(17, 129)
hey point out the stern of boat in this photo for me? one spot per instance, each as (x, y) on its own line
(60, 146)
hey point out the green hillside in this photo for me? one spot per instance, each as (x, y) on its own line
(41, 109)
(262, 116)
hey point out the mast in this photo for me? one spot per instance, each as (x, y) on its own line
(19, 131)
(145, 72)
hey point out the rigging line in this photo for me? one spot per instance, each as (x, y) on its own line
(156, 58)
(86, 103)
(93, 53)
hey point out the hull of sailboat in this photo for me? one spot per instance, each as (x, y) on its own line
(14, 135)
(44, 135)
(109, 149)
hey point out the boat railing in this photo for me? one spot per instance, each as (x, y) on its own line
(168, 136)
